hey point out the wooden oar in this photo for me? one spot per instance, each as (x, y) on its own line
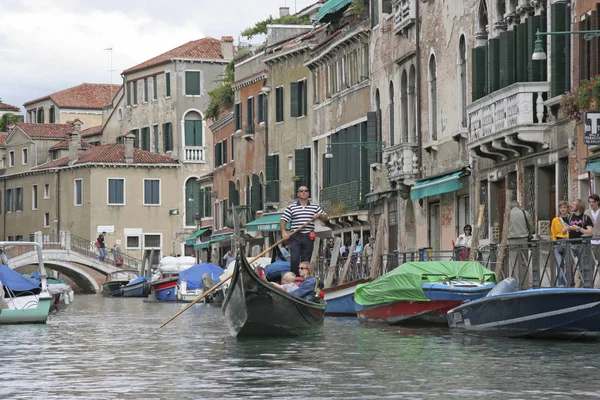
(228, 277)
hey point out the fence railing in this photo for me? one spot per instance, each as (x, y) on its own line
(534, 264)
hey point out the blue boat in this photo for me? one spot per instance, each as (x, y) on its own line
(190, 282)
(164, 288)
(138, 287)
(340, 299)
(553, 313)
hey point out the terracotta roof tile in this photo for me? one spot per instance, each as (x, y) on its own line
(3, 137)
(93, 96)
(46, 131)
(110, 154)
(206, 48)
(8, 107)
(64, 144)
(94, 130)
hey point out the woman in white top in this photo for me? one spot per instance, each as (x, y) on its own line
(465, 239)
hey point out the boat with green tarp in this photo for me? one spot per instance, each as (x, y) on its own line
(422, 292)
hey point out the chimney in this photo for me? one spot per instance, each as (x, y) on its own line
(284, 11)
(129, 138)
(227, 47)
(75, 140)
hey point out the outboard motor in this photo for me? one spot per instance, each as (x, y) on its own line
(508, 285)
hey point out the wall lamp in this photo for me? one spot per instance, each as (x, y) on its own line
(373, 146)
(538, 52)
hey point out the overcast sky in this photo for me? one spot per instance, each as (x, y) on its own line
(47, 46)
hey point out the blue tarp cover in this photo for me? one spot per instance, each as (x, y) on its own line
(274, 271)
(15, 281)
(193, 275)
(138, 280)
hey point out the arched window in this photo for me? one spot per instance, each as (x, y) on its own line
(193, 129)
(433, 115)
(482, 18)
(462, 71)
(412, 106)
(391, 111)
(120, 114)
(404, 106)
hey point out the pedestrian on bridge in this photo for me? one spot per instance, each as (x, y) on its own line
(101, 247)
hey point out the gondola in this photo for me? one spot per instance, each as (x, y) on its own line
(254, 307)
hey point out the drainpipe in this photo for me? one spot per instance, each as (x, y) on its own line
(58, 203)
(4, 219)
(418, 91)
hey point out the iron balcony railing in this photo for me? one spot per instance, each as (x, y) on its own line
(345, 197)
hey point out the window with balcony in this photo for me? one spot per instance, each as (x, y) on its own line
(193, 83)
(193, 129)
(116, 191)
(404, 14)
(279, 104)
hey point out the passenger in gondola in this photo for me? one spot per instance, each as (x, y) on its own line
(288, 282)
(306, 290)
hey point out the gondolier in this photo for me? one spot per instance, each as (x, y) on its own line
(297, 214)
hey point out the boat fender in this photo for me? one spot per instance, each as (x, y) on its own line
(71, 296)
(508, 285)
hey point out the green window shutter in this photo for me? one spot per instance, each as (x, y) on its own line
(168, 84)
(279, 104)
(272, 176)
(493, 65)
(559, 62)
(236, 114)
(154, 87)
(189, 132)
(233, 201)
(255, 194)
(136, 138)
(147, 192)
(192, 83)
(128, 93)
(232, 148)
(479, 72)
(135, 94)
(293, 99)
(594, 43)
(371, 136)
(536, 68)
(167, 137)
(326, 171)
(503, 60)
(146, 90)
(197, 133)
(511, 58)
(224, 148)
(386, 6)
(146, 139)
(521, 52)
(218, 155)
(260, 108)
(299, 166)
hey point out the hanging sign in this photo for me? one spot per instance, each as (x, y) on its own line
(591, 128)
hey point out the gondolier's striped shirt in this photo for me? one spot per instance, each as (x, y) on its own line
(297, 214)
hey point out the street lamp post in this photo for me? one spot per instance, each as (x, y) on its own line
(538, 52)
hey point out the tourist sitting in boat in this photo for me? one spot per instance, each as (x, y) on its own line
(288, 282)
(306, 290)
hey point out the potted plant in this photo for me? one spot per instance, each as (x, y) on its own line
(576, 102)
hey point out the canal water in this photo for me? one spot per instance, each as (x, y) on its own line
(112, 348)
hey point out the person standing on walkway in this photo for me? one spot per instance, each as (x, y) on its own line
(593, 212)
(102, 246)
(519, 232)
(297, 214)
(560, 239)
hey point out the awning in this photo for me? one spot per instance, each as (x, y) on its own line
(593, 166)
(266, 223)
(191, 240)
(330, 7)
(441, 184)
(212, 240)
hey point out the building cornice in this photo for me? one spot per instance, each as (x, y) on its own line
(355, 35)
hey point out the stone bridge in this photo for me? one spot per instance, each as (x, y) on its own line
(71, 259)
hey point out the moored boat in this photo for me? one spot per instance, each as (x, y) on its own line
(255, 307)
(548, 313)
(193, 281)
(24, 300)
(340, 299)
(116, 280)
(422, 292)
(164, 288)
(138, 287)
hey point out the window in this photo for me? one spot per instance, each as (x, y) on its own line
(120, 114)
(272, 176)
(52, 115)
(116, 191)
(364, 63)
(8, 201)
(250, 115)
(207, 205)
(78, 192)
(152, 240)
(151, 192)
(260, 108)
(18, 199)
(193, 83)
(386, 6)
(19, 238)
(24, 156)
(46, 190)
(433, 114)
(146, 90)
(391, 115)
(40, 116)
(298, 101)
(10, 238)
(218, 155)
(167, 137)
(132, 242)
(167, 84)
(155, 136)
(136, 138)
(146, 138)
(135, 94)
(279, 104)
(374, 13)
(11, 158)
(128, 93)
(231, 147)
(193, 129)
(223, 213)
(34, 197)
(237, 115)
(154, 87)
(216, 219)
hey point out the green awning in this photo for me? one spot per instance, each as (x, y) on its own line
(212, 240)
(593, 166)
(441, 184)
(266, 223)
(330, 7)
(191, 240)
